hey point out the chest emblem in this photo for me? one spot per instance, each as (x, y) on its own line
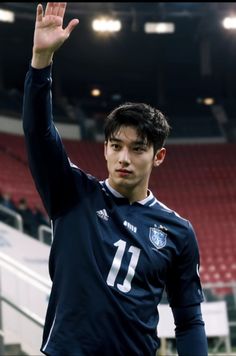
(157, 237)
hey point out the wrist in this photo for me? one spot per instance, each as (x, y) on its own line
(41, 60)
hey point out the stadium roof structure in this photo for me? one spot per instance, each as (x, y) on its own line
(196, 61)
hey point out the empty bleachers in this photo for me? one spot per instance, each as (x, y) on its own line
(15, 175)
(197, 181)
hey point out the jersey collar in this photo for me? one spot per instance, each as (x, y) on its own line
(149, 200)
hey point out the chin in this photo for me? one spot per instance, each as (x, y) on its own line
(124, 183)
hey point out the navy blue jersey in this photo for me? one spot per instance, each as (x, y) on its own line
(110, 260)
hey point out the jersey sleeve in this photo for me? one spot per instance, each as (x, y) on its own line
(47, 158)
(190, 331)
(183, 285)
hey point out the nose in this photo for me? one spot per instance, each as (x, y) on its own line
(124, 158)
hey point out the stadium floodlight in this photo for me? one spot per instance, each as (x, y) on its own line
(95, 92)
(208, 101)
(159, 27)
(7, 16)
(106, 25)
(229, 23)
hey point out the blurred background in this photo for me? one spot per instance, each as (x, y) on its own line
(179, 57)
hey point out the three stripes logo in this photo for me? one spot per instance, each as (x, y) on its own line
(102, 214)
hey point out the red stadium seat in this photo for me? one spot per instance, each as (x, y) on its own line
(197, 181)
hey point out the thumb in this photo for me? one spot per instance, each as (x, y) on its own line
(72, 24)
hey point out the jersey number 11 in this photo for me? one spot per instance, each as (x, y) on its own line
(116, 264)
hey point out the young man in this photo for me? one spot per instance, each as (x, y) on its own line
(115, 246)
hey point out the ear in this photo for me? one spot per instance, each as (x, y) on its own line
(159, 157)
(105, 150)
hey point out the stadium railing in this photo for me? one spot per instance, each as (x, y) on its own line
(11, 218)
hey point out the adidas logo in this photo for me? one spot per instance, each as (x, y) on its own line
(102, 214)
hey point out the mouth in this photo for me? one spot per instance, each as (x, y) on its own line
(123, 172)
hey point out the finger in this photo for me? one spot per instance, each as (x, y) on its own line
(39, 13)
(62, 9)
(72, 24)
(55, 8)
(49, 9)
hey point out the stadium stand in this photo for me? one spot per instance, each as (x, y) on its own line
(198, 181)
(15, 176)
(204, 177)
(192, 119)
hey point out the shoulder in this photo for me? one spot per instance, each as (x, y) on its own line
(180, 228)
(81, 176)
(172, 215)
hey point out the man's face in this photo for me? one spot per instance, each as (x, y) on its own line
(130, 161)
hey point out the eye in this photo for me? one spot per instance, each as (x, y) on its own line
(139, 149)
(115, 146)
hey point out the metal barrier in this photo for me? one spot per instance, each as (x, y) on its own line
(10, 213)
(28, 326)
(45, 234)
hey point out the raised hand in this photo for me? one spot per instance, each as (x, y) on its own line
(49, 33)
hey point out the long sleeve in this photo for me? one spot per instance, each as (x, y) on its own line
(48, 161)
(190, 331)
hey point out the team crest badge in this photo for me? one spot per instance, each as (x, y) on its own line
(157, 237)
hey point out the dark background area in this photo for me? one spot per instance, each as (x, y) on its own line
(171, 71)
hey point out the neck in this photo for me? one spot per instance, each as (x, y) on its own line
(133, 195)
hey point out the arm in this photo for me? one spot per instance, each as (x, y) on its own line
(48, 161)
(185, 295)
(190, 332)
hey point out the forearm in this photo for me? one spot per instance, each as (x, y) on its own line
(190, 331)
(192, 341)
(37, 106)
(47, 158)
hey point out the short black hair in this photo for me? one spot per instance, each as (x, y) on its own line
(151, 123)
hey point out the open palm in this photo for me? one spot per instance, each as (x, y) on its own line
(49, 34)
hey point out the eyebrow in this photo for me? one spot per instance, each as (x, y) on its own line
(138, 142)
